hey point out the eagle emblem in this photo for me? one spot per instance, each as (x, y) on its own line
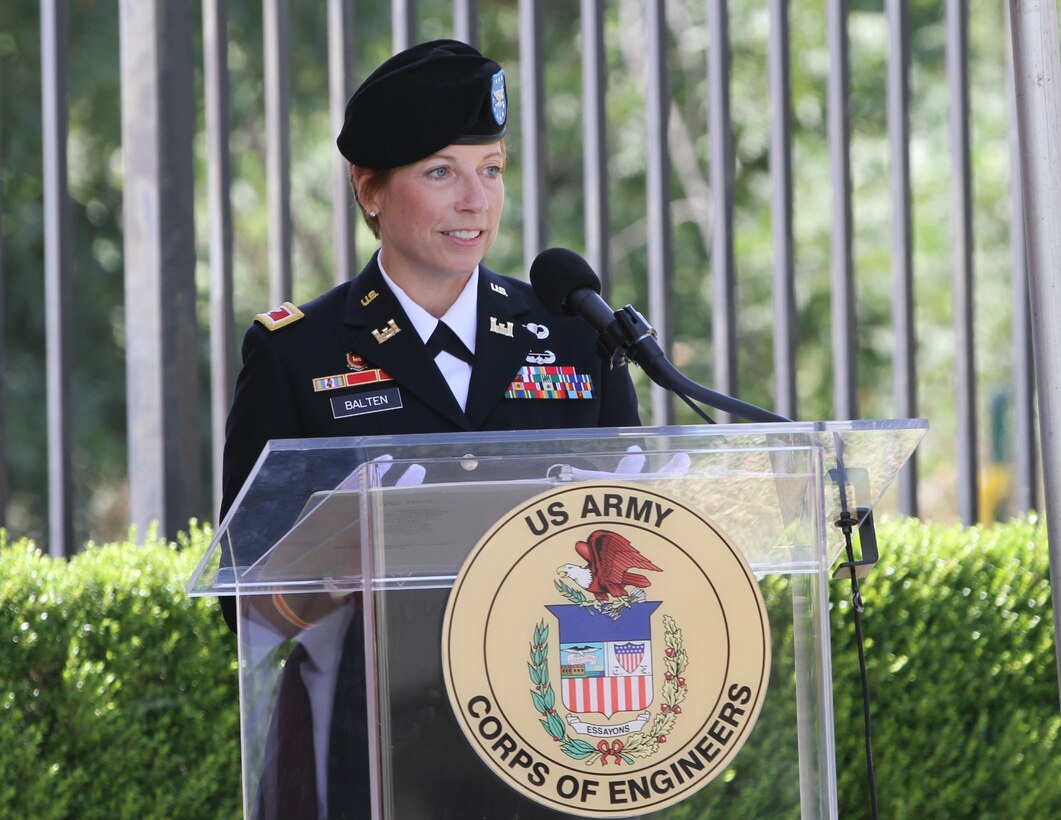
(606, 574)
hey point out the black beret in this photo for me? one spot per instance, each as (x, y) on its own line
(421, 100)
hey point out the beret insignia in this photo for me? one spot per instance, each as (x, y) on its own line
(498, 98)
(276, 318)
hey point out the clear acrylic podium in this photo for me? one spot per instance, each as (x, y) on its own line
(363, 538)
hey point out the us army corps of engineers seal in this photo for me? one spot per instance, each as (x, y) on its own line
(606, 650)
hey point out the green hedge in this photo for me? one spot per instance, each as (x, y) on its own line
(963, 673)
(119, 693)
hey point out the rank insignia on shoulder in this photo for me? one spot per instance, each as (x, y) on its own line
(279, 316)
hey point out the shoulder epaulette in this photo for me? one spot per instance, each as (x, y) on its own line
(279, 316)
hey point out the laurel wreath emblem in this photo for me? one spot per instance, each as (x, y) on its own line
(638, 744)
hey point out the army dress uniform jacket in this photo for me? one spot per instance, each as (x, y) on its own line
(292, 381)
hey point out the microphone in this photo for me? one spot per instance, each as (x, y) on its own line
(565, 283)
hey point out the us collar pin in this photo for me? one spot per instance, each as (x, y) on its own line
(366, 300)
(496, 288)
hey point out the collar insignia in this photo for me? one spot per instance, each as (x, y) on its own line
(503, 328)
(496, 288)
(366, 300)
(390, 330)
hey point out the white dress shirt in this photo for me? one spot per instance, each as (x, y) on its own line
(461, 318)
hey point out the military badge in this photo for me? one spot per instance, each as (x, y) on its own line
(501, 328)
(645, 652)
(539, 331)
(545, 357)
(340, 380)
(355, 362)
(498, 98)
(279, 317)
(387, 332)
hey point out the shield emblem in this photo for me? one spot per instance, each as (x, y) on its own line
(498, 98)
(605, 663)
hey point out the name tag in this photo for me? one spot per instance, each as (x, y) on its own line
(362, 403)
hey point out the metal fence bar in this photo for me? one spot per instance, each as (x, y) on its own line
(844, 336)
(1037, 68)
(905, 360)
(158, 121)
(276, 26)
(784, 267)
(3, 367)
(218, 180)
(720, 152)
(466, 21)
(57, 279)
(340, 87)
(957, 56)
(403, 24)
(532, 126)
(658, 185)
(1025, 462)
(595, 141)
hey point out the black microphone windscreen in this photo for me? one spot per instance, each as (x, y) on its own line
(555, 273)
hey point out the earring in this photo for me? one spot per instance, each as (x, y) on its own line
(372, 214)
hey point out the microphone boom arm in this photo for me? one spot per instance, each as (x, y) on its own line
(631, 337)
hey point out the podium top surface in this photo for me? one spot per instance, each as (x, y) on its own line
(309, 504)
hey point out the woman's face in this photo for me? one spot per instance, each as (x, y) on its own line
(439, 216)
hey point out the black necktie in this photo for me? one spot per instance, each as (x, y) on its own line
(445, 339)
(296, 794)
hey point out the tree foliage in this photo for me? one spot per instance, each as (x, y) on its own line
(98, 375)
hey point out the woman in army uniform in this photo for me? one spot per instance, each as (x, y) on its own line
(425, 339)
